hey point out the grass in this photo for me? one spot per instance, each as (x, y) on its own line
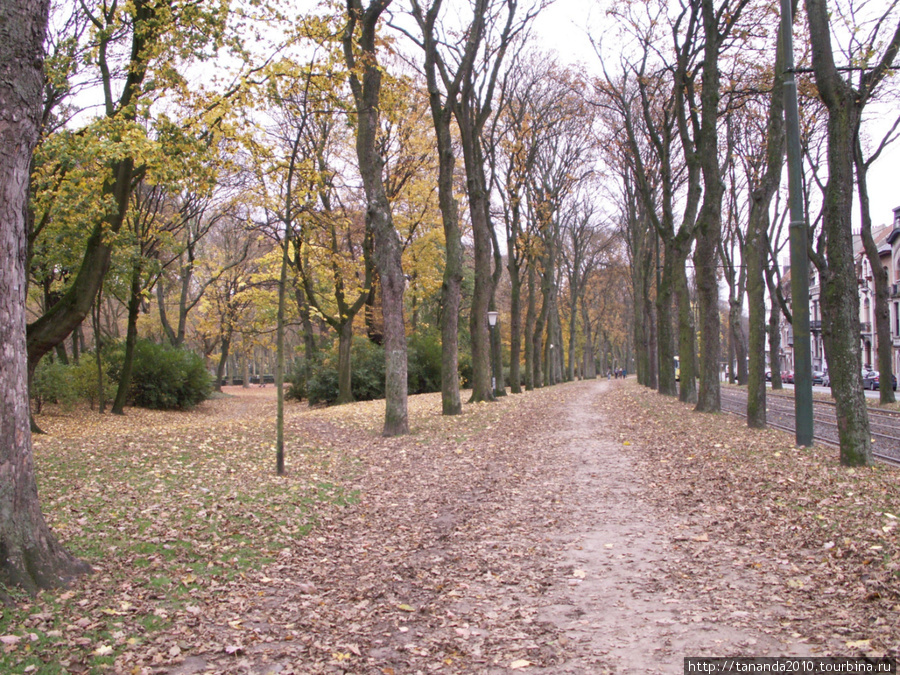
(167, 507)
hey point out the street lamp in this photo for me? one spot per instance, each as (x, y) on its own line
(492, 322)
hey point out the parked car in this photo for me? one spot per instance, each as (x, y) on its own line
(818, 377)
(787, 376)
(768, 376)
(872, 380)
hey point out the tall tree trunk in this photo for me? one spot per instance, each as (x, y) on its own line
(590, 364)
(279, 356)
(345, 342)
(30, 555)
(773, 329)
(687, 340)
(515, 328)
(223, 359)
(386, 241)
(573, 324)
(134, 306)
(758, 250)
(756, 255)
(481, 293)
(840, 298)
(538, 335)
(709, 224)
(665, 337)
(530, 322)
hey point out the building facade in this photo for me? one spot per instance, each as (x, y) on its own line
(887, 240)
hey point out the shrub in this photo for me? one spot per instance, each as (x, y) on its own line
(424, 361)
(296, 379)
(85, 382)
(367, 380)
(53, 382)
(166, 377)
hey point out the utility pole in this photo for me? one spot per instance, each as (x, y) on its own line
(798, 242)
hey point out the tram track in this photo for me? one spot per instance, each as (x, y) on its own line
(884, 425)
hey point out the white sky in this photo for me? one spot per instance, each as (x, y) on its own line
(564, 26)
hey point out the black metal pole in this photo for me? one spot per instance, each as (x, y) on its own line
(798, 243)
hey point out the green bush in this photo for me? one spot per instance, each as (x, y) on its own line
(367, 373)
(367, 360)
(424, 361)
(53, 382)
(296, 380)
(85, 381)
(166, 377)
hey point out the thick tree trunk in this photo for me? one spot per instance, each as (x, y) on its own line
(481, 293)
(840, 298)
(223, 359)
(451, 402)
(709, 224)
(345, 342)
(758, 251)
(756, 255)
(665, 337)
(386, 241)
(30, 555)
(687, 340)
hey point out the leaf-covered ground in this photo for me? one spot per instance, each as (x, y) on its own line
(453, 549)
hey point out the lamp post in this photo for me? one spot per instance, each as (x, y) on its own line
(493, 317)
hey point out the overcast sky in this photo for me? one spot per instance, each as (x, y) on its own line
(564, 27)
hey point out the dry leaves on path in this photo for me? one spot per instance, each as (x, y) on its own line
(427, 553)
(822, 539)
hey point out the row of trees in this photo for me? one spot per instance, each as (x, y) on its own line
(295, 189)
(694, 113)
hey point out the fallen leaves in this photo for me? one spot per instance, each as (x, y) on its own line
(794, 516)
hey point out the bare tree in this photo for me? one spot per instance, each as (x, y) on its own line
(844, 101)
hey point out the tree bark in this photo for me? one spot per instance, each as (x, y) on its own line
(386, 242)
(530, 321)
(451, 286)
(30, 555)
(687, 339)
(134, 306)
(709, 222)
(758, 251)
(840, 297)
(345, 342)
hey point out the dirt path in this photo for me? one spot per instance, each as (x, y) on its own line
(529, 546)
(625, 607)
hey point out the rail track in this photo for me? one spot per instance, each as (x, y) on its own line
(884, 425)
